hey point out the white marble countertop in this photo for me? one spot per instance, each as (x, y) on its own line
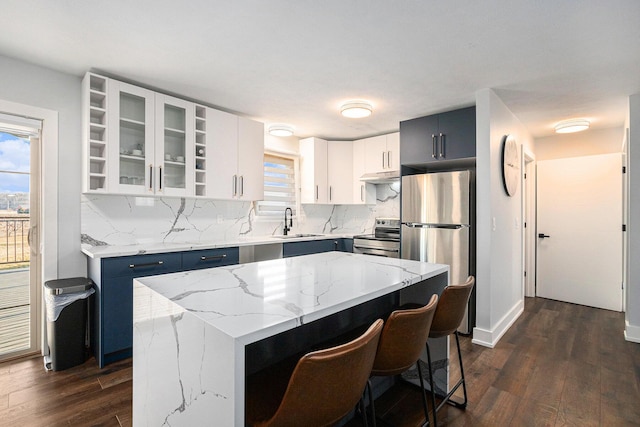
(249, 302)
(108, 251)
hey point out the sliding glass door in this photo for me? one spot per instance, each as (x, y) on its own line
(19, 261)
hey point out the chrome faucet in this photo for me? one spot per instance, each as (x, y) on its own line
(286, 229)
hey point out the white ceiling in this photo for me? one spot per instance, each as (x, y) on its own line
(296, 61)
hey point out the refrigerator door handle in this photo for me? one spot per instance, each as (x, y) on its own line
(447, 226)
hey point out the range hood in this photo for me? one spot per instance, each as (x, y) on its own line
(386, 177)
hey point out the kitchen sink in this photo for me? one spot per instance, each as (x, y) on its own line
(295, 236)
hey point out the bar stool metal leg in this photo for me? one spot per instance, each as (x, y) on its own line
(425, 407)
(433, 390)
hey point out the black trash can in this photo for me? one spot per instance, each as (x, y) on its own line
(67, 304)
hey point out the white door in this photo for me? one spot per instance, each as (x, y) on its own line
(579, 227)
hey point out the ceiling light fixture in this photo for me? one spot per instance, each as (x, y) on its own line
(280, 130)
(570, 126)
(356, 109)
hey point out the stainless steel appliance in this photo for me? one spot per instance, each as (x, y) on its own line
(385, 240)
(437, 224)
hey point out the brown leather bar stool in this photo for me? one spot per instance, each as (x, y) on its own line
(324, 387)
(449, 314)
(402, 341)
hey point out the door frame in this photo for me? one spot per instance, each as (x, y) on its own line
(621, 162)
(529, 223)
(48, 216)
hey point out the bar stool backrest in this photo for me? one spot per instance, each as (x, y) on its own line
(451, 306)
(327, 384)
(403, 338)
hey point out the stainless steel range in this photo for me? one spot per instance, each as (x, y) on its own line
(385, 241)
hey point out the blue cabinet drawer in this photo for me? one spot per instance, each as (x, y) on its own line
(141, 265)
(210, 258)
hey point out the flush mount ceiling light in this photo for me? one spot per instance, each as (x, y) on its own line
(570, 126)
(280, 130)
(356, 109)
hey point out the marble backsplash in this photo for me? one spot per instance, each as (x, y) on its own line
(128, 220)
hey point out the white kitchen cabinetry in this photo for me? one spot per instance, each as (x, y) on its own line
(313, 171)
(140, 142)
(131, 143)
(363, 193)
(94, 132)
(201, 151)
(235, 157)
(340, 172)
(174, 151)
(151, 141)
(382, 153)
(326, 169)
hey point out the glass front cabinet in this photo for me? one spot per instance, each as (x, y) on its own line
(131, 142)
(174, 163)
(140, 142)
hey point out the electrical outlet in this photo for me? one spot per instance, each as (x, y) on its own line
(219, 219)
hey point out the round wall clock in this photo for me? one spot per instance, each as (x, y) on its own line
(510, 165)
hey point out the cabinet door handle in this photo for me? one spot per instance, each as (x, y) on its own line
(148, 264)
(241, 185)
(362, 192)
(434, 146)
(389, 159)
(150, 177)
(316, 192)
(160, 176)
(213, 257)
(234, 185)
(443, 141)
(383, 160)
(330, 193)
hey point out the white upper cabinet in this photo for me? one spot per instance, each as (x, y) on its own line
(94, 133)
(393, 149)
(131, 141)
(140, 142)
(235, 157)
(382, 153)
(340, 172)
(174, 158)
(313, 171)
(326, 169)
(250, 159)
(363, 193)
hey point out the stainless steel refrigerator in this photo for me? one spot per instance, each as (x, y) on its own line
(437, 218)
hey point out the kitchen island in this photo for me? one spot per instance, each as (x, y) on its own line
(198, 334)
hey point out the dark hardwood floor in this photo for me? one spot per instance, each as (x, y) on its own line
(559, 365)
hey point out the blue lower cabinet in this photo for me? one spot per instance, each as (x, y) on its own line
(112, 332)
(112, 335)
(345, 245)
(210, 258)
(290, 249)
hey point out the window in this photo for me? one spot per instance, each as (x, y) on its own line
(279, 185)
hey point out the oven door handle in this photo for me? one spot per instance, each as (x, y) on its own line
(375, 249)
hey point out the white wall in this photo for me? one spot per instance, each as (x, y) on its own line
(499, 289)
(632, 329)
(39, 87)
(587, 143)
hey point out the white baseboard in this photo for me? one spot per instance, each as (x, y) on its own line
(631, 333)
(489, 338)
